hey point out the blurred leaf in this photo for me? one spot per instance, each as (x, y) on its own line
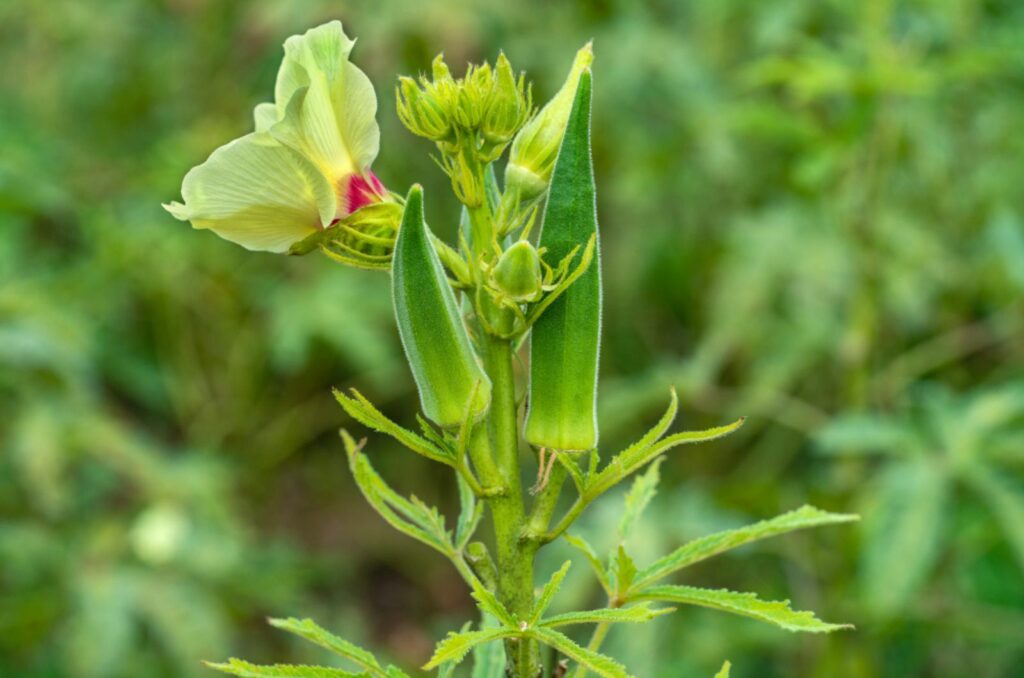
(903, 532)
(644, 488)
(308, 629)
(237, 667)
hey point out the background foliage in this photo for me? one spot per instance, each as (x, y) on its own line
(812, 215)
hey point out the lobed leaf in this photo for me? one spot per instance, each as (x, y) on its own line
(584, 547)
(623, 571)
(636, 456)
(411, 517)
(237, 667)
(745, 604)
(456, 646)
(608, 615)
(470, 514)
(489, 604)
(711, 545)
(548, 593)
(644, 488)
(600, 664)
(309, 630)
(363, 411)
(904, 532)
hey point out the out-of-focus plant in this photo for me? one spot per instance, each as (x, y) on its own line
(462, 313)
(944, 446)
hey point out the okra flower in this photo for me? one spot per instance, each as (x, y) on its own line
(306, 165)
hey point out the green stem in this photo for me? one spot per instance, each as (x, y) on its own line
(514, 557)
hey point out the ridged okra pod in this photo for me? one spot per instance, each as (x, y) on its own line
(565, 340)
(437, 345)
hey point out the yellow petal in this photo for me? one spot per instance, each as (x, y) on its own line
(257, 193)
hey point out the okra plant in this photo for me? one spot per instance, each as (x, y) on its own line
(523, 280)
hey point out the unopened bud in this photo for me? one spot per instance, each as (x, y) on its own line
(509, 105)
(518, 273)
(535, 148)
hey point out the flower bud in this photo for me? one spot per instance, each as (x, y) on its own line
(535, 148)
(508, 108)
(423, 110)
(517, 273)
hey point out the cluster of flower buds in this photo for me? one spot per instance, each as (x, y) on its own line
(471, 119)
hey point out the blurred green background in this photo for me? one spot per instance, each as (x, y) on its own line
(812, 215)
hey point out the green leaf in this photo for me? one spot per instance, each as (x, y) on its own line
(592, 661)
(237, 667)
(623, 571)
(724, 672)
(489, 604)
(470, 514)
(572, 466)
(711, 545)
(636, 457)
(309, 630)
(584, 547)
(644, 488)
(745, 604)
(456, 645)
(363, 411)
(903, 532)
(489, 658)
(437, 345)
(565, 340)
(548, 592)
(609, 615)
(864, 434)
(409, 516)
(1005, 497)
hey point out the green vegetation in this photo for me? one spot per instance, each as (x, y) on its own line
(810, 216)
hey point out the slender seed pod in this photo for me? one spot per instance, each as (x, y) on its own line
(565, 340)
(436, 343)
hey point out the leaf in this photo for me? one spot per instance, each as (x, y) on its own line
(490, 604)
(863, 434)
(584, 547)
(714, 544)
(640, 494)
(237, 667)
(745, 604)
(309, 630)
(635, 457)
(565, 340)
(609, 615)
(470, 514)
(592, 661)
(456, 645)
(572, 466)
(489, 658)
(623, 571)
(724, 672)
(548, 593)
(1005, 497)
(363, 411)
(411, 517)
(903, 532)
(437, 346)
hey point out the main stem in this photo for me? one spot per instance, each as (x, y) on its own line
(514, 556)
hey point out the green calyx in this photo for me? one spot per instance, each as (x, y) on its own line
(518, 273)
